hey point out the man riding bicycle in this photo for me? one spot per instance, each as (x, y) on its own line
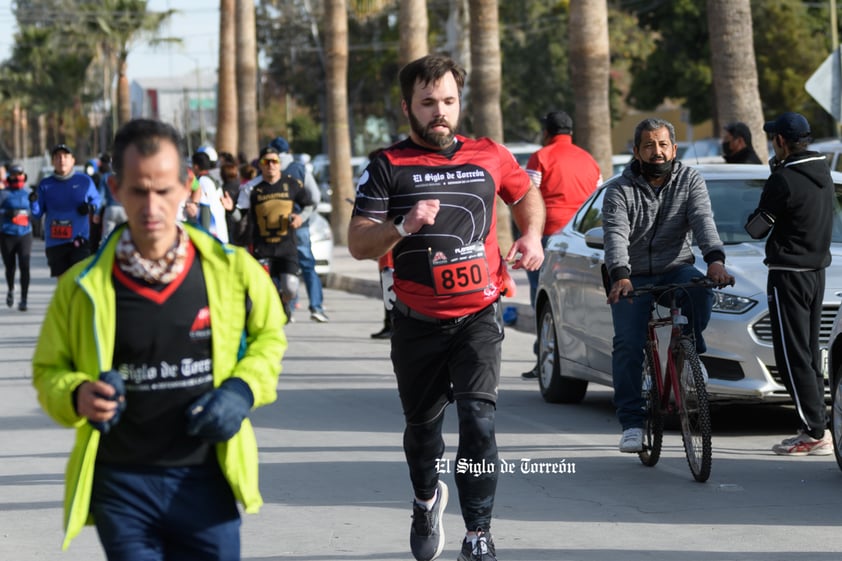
(649, 214)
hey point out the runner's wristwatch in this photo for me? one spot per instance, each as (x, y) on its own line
(398, 222)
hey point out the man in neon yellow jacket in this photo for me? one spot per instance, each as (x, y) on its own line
(156, 349)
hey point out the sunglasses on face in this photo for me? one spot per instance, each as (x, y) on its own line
(269, 161)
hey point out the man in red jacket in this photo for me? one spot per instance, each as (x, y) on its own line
(566, 176)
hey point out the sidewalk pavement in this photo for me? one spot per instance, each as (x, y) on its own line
(362, 277)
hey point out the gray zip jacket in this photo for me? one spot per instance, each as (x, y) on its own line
(649, 231)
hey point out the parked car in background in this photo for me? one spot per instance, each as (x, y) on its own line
(574, 322)
(701, 151)
(834, 372)
(833, 150)
(321, 171)
(619, 162)
(321, 242)
(522, 151)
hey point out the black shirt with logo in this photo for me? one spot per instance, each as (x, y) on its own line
(162, 348)
(270, 206)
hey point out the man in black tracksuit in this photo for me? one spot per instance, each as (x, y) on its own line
(798, 200)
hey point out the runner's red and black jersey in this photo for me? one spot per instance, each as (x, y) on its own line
(440, 270)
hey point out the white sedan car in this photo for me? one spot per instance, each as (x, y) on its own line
(321, 243)
(574, 322)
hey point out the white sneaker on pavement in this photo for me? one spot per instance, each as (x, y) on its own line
(632, 440)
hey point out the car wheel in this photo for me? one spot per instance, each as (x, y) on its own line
(555, 388)
(836, 416)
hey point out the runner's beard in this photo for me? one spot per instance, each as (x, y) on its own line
(441, 140)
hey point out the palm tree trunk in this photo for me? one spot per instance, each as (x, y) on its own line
(247, 78)
(124, 107)
(413, 30)
(486, 116)
(226, 115)
(734, 67)
(589, 71)
(17, 152)
(458, 43)
(339, 140)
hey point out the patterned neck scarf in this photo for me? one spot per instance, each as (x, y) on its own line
(152, 271)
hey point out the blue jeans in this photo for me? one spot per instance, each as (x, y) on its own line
(165, 514)
(630, 330)
(307, 262)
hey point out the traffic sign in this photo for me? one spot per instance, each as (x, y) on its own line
(825, 85)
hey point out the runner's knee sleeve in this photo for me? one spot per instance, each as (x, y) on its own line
(288, 286)
(476, 477)
(424, 447)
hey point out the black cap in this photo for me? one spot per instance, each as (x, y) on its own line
(16, 170)
(558, 122)
(269, 150)
(790, 125)
(61, 148)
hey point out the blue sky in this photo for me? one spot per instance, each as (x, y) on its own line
(196, 24)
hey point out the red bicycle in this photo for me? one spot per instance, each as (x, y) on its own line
(680, 387)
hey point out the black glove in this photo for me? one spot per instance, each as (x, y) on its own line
(112, 378)
(33, 196)
(217, 415)
(85, 209)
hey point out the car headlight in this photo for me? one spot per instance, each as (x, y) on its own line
(319, 229)
(730, 304)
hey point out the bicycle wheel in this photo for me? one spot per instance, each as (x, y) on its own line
(694, 412)
(653, 430)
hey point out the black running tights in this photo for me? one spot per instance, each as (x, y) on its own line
(476, 466)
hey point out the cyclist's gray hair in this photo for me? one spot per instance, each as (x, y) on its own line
(652, 124)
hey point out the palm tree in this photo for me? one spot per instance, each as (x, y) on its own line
(414, 24)
(485, 80)
(127, 21)
(247, 78)
(589, 71)
(486, 116)
(47, 78)
(226, 115)
(339, 140)
(734, 67)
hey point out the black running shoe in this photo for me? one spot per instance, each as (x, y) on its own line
(530, 374)
(480, 548)
(426, 535)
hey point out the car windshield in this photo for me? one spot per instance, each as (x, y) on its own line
(732, 200)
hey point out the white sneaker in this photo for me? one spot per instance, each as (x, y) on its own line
(318, 316)
(804, 445)
(632, 440)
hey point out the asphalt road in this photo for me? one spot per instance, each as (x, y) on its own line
(336, 485)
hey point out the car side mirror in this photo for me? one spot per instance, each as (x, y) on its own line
(594, 238)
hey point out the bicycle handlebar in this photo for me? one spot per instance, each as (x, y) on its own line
(696, 282)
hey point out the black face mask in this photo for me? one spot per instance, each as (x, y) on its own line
(655, 170)
(726, 148)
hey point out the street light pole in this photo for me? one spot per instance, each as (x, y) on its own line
(202, 135)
